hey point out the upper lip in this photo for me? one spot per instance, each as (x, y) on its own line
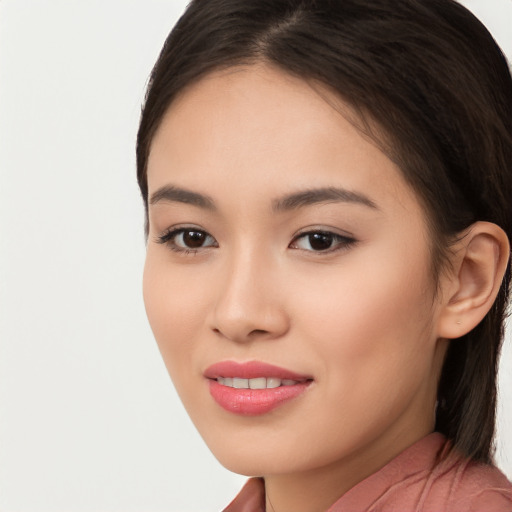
(251, 370)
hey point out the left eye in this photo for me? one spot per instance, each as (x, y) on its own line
(321, 241)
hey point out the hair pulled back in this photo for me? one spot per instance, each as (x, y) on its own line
(432, 79)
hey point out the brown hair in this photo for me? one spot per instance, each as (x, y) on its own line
(432, 78)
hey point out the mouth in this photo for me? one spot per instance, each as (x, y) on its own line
(253, 388)
(257, 383)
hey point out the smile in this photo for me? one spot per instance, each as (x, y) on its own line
(257, 383)
(253, 388)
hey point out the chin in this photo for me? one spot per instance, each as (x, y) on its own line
(265, 453)
(254, 462)
(251, 453)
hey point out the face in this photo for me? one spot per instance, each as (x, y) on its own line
(287, 279)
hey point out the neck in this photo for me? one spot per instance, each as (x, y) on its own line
(318, 489)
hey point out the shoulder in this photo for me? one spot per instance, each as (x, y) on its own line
(471, 486)
(430, 476)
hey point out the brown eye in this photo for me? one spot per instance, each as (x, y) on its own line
(187, 240)
(321, 241)
(193, 239)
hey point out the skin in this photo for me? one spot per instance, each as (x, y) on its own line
(361, 318)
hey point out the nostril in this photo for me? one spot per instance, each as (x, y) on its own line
(244, 324)
(239, 336)
(257, 332)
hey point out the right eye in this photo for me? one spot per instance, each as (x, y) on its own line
(187, 240)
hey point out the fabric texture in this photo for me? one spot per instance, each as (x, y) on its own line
(426, 477)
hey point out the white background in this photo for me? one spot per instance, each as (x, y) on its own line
(89, 420)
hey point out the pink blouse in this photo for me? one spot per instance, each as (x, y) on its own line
(414, 481)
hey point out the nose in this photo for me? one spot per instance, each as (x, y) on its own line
(250, 303)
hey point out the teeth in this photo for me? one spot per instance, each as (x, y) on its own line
(273, 383)
(257, 383)
(260, 383)
(240, 383)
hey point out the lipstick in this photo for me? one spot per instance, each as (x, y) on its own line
(254, 387)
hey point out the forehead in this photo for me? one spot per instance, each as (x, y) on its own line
(270, 131)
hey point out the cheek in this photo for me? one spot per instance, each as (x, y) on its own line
(371, 326)
(173, 311)
(370, 338)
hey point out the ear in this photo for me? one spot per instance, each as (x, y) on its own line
(479, 263)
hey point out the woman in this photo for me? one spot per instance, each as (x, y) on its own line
(328, 196)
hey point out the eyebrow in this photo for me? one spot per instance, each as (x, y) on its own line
(295, 200)
(170, 193)
(320, 195)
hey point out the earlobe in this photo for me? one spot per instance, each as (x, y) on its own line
(479, 263)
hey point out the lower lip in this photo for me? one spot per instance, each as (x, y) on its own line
(253, 402)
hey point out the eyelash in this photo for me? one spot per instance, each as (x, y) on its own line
(340, 242)
(169, 238)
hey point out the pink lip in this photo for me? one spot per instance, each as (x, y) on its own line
(252, 402)
(251, 370)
